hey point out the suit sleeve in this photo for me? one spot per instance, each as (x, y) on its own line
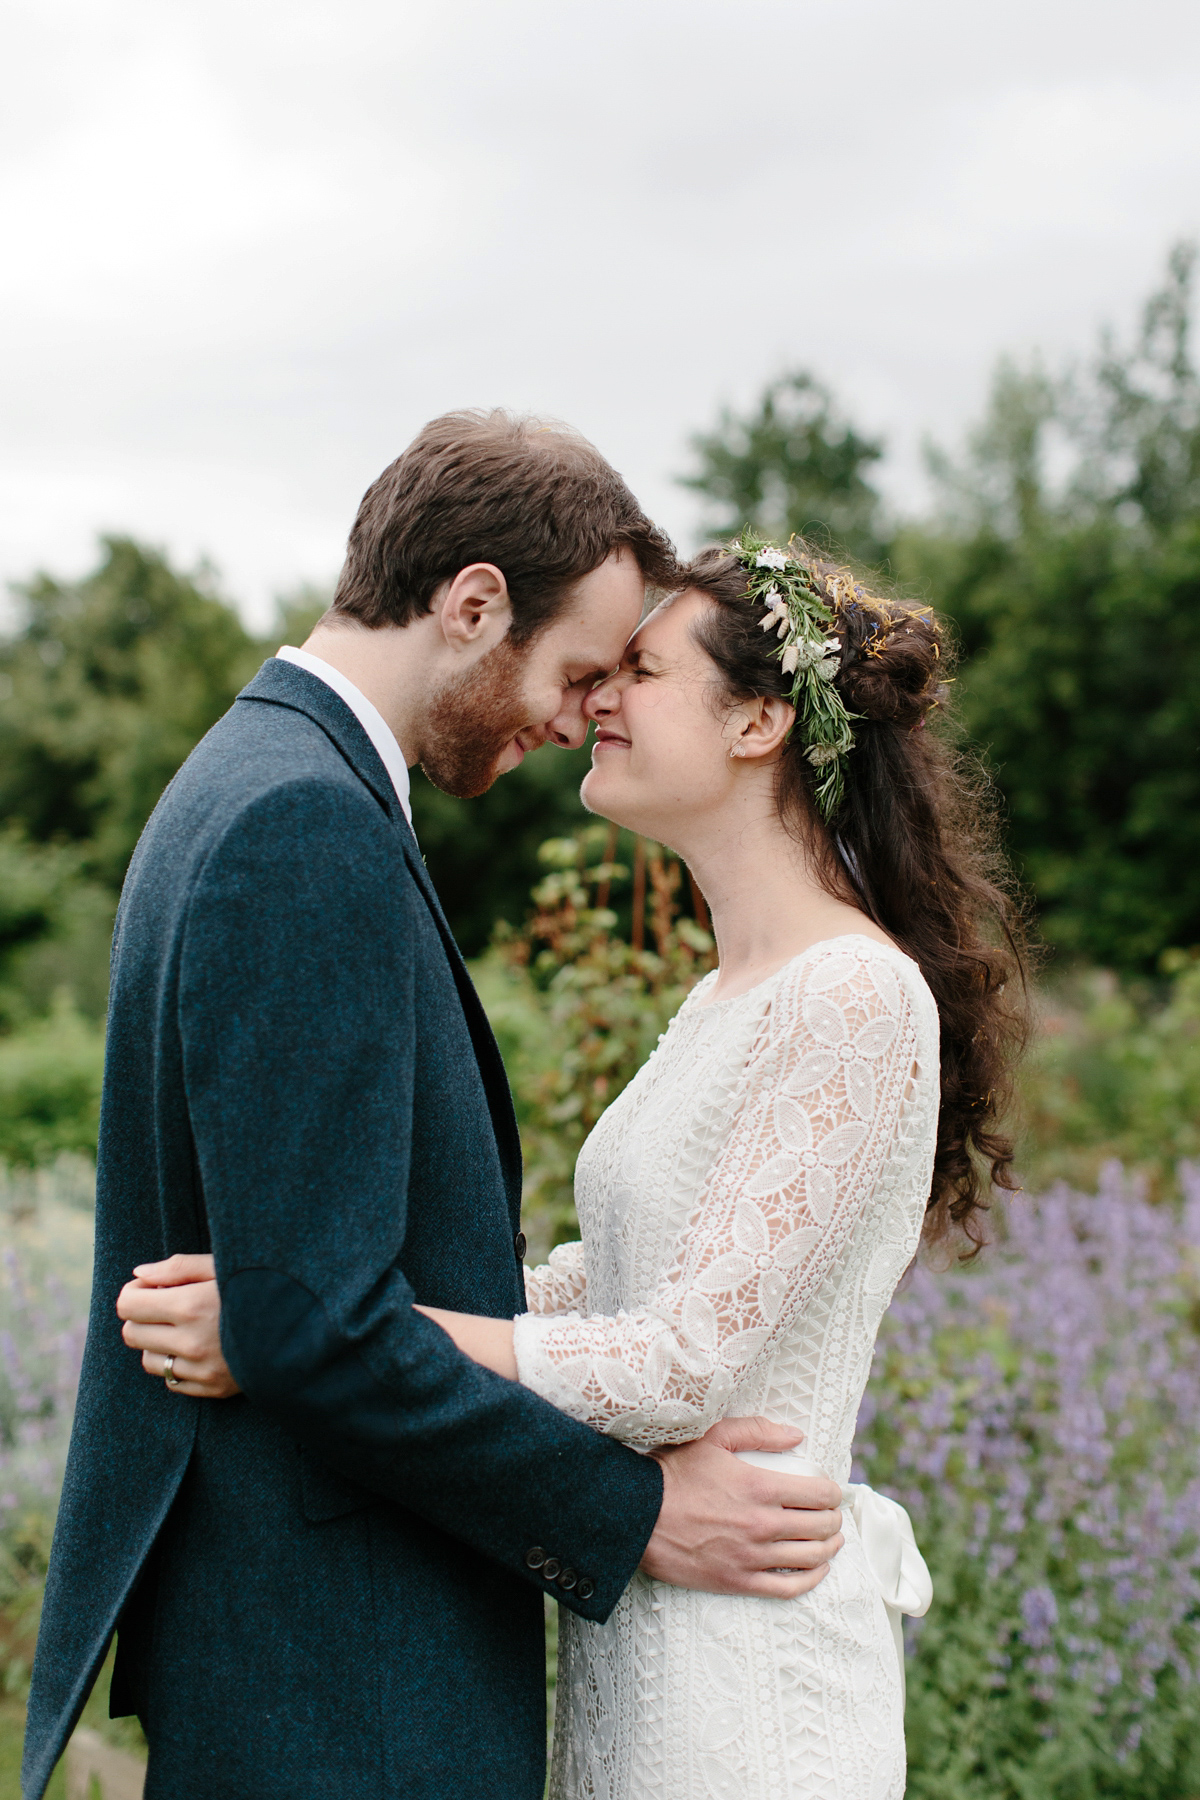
(297, 993)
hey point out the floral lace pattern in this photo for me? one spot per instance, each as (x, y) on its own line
(747, 1205)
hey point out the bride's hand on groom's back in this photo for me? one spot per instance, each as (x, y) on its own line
(728, 1527)
(172, 1309)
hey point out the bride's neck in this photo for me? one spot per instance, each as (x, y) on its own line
(763, 891)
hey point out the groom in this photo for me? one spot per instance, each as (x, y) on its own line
(331, 1587)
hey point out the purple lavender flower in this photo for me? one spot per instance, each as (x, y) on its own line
(1039, 1415)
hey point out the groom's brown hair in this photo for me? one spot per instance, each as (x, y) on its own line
(534, 498)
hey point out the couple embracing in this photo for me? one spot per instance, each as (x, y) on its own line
(324, 1533)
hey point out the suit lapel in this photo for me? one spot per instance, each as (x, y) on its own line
(487, 1051)
(284, 684)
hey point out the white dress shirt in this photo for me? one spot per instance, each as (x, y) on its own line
(368, 716)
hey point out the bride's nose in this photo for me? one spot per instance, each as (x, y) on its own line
(604, 699)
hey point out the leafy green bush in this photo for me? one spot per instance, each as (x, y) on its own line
(577, 1009)
(1114, 1075)
(50, 1078)
(55, 927)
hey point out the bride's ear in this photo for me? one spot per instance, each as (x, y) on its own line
(758, 728)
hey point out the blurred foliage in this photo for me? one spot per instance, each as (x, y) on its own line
(46, 1223)
(1039, 1416)
(577, 1008)
(107, 687)
(55, 927)
(482, 854)
(1077, 596)
(50, 1078)
(1114, 1075)
(1066, 550)
(791, 464)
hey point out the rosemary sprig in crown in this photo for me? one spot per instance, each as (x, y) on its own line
(810, 651)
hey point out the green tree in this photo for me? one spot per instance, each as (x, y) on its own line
(1077, 604)
(108, 685)
(791, 464)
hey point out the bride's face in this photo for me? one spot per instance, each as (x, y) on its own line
(661, 751)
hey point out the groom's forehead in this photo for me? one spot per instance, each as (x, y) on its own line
(597, 626)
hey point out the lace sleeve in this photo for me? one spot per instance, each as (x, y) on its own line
(820, 1108)
(557, 1286)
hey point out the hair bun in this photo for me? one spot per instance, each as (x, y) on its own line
(893, 665)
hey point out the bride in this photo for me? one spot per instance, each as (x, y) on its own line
(749, 1202)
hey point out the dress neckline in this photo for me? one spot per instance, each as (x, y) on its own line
(842, 937)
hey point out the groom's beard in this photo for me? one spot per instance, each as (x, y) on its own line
(472, 720)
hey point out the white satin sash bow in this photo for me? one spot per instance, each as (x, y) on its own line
(886, 1532)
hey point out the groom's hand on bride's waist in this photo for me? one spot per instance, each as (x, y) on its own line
(728, 1527)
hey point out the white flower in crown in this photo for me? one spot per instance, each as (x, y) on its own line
(819, 755)
(770, 559)
(822, 657)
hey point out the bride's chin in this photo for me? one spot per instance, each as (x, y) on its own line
(603, 796)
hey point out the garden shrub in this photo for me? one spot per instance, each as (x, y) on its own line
(1039, 1415)
(1114, 1075)
(45, 1279)
(50, 1077)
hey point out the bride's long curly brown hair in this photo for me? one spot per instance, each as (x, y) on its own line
(914, 843)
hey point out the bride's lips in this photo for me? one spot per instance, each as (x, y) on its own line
(610, 740)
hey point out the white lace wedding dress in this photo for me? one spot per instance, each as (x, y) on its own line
(747, 1206)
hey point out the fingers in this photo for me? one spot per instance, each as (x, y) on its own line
(753, 1433)
(191, 1378)
(169, 1305)
(164, 1340)
(786, 1585)
(176, 1270)
(794, 1525)
(761, 1557)
(800, 1493)
(167, 1340)
(808, 1556)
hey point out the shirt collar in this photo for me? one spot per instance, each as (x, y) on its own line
(368, 716)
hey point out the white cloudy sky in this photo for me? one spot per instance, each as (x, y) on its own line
(248, 246)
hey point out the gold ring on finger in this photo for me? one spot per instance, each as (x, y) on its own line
(169, 1375)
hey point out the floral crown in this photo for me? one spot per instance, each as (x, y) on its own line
(804, 618)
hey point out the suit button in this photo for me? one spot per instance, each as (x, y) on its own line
(520, 1245)
(586, 1588)
(550, 1567)
(567, 1580)
(535, 1558)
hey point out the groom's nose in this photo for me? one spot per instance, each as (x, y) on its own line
(569, 726)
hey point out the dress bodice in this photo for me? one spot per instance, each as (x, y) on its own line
(747, 1206)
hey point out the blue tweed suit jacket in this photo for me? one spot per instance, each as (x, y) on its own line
(330, 1587)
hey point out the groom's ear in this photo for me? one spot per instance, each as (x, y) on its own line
(474, 610)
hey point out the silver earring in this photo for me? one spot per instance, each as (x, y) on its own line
(735, 749)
